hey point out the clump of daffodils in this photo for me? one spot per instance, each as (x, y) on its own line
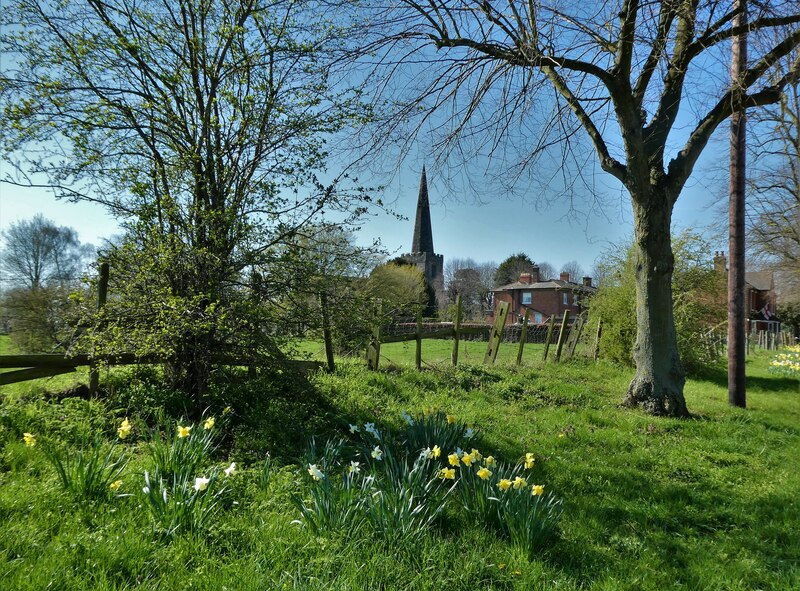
(787, 362)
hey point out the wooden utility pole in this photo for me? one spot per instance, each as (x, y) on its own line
(736, 330)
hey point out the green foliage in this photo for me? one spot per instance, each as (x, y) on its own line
(182, 503)
(89, 472)
(400, 287)
(510, 269)
(181, 451)
(698, 302)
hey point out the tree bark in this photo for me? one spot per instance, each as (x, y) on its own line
(657, 386)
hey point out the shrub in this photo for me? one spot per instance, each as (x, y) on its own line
(90, 472)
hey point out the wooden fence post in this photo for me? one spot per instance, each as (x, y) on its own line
(374, 346)
(562, 334)
(456, 332)
(575, 335)
(102, 296)
(550, 326)
(326, 331)
(523, 336)
(497, 333)
(418, 353)
(596, 351)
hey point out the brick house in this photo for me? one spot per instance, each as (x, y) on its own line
(760, 297)
(543, 298)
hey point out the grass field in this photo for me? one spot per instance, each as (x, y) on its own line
(649, 503)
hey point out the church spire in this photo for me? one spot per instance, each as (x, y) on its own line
(423, 235)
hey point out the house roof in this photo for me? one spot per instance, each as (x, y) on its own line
(760, 280)
(551, 284)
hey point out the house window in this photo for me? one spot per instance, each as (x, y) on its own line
(565, 298)
(537, 318)
(575, 300)
(527, 296)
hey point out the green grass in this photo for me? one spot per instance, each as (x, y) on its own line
(649, 503)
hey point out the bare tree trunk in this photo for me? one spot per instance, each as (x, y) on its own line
(736, 333)
(657, 386)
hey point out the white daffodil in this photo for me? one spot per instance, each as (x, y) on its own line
(469, 433)
(377, 453)
(201, 483)
(408, 418)
(230, 469)
(353, 468)
(370, 428)
(353, 428)
(426, 453)
(315, 472)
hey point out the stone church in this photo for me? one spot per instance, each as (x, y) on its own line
(422, 254)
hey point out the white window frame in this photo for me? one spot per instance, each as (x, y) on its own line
(565, 298)
(529, 295)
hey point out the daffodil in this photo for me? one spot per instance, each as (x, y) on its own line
(353, 468)
(562, 434)
(451, 419)
(114, 486)
(484, 473)
(370, 428)
(315, 472)
(467, 459)
(377, 453)
(425, 454)
(519, 482)
(408, 419)
(201, 483)
(436, 452)
(183, 431)
(529, 461)
(476, 455)
(29, 439)
(230, 469)
(453, 459)
(447, 473)
(504, 484)
(353, 428)
(537, 490)
(489, 461)
(469, 433)
(124, 429)
(209, 423)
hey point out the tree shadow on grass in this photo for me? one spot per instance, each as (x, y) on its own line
(718, 376)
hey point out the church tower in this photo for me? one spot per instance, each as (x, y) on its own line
(422, 255)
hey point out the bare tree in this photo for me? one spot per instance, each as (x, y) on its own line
(546, 270)
(37, 253)
(618, 70)
(574, 269)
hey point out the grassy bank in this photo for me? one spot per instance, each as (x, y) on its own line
(649, 503)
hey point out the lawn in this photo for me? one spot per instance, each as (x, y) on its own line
(648, 503)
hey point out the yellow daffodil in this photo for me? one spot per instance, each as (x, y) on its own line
(467, 459)
(183, 431)
(562, 434)
(519, 482)
(484, 473)
(489, 461)
(451, 419)
(124, 429)
(436, 452)
(475, 455)
(537, 490)
(209, 423)
(529, 461)
(453, 459)
(504, 484)
(29, 439)
(447, 473)
(115, 485)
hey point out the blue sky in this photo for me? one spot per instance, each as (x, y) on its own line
(462, 226)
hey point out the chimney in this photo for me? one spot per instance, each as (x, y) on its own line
(535, 274)
(587, 281)
(526, 278)
(565, 277)
(720, 262)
